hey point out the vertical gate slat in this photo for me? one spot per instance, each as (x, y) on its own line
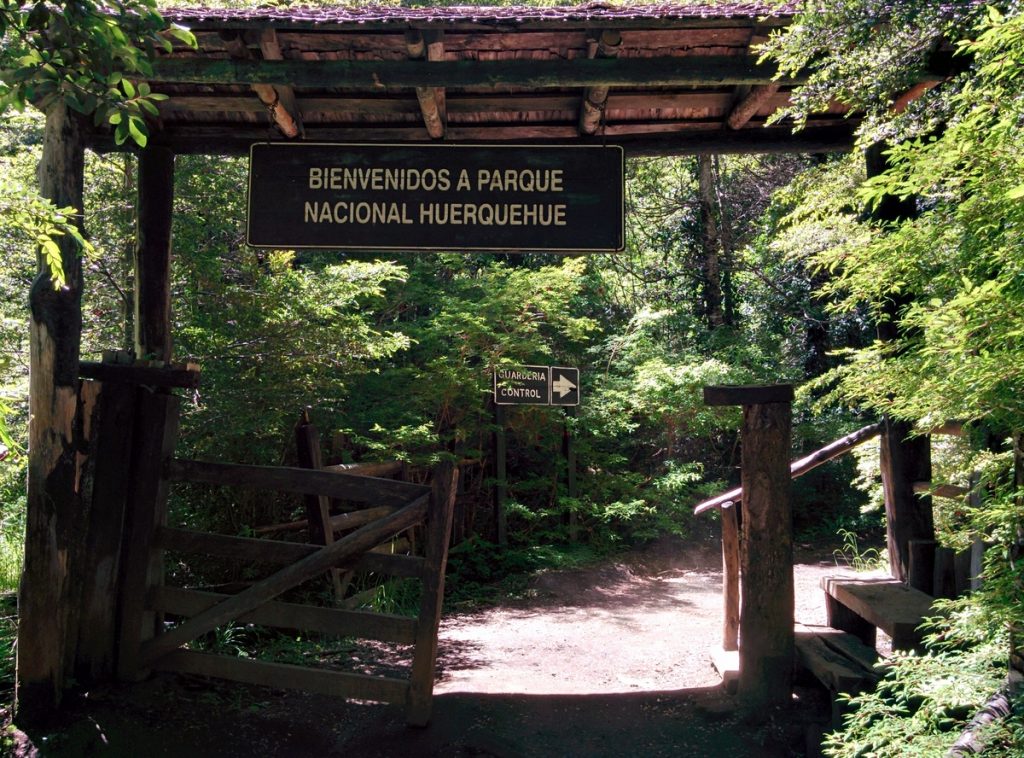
(438, 531)
(156, 433)
(97, 642)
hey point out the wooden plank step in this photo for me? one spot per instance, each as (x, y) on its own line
(838, 660)
(332, 621)
(727, 664)
(888, 604)
(286, 676)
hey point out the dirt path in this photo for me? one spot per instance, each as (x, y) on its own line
(607, 661)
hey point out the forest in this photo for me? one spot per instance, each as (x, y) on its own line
(738, 269)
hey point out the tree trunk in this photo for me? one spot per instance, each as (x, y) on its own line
(47, 625)
(711, 241)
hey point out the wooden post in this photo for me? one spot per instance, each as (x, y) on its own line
(500, 473)
(153, 254)
(730, 577)
(52, 515)
(318, 507)
(908, 516)
(569, 452)
(766, 614)
(438, 528)
(904, 458)
(921, 567)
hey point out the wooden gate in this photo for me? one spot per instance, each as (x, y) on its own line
(145, 642)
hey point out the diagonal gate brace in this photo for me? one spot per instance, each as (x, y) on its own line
(358, 542)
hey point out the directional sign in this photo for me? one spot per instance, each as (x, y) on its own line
(521, 385)
(536, 385)
(565, 386)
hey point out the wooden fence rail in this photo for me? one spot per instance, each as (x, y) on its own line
(361, 489)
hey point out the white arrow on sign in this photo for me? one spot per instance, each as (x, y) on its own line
(562, 386)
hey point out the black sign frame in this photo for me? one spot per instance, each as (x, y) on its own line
(536, 385)
(565, 199)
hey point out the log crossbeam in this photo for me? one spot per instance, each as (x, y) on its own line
(595, 98)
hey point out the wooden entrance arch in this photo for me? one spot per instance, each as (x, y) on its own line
(658, 80)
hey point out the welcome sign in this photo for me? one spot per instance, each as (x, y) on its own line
(566, 199)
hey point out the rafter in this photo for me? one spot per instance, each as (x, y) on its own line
(286, 95)
(267, 93)
(428, 46)
(595, 98)
(746, 108)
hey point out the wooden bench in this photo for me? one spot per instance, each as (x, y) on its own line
(860, 606)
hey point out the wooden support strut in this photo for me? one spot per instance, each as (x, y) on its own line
(269, 94)
(271, 50)
(595, 98)
(429, 46)
(746, 108)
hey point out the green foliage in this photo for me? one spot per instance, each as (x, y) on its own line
(865, 53)
(955, 270)
(88, 54)
(922, 704)
(857, 557)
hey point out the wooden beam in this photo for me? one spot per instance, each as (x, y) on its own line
(337, 523)
(283, 675)
(362, 489)
(267, 93)
(271, 51)
(101, 573)
(952, 491)
(430, 102)
(187, 376)
(595, 98)
(236, 139)
(461, 104)
(348, 547)
(746, 108)
(693, 71)
(757, 394)
(52, 527)
(318, 507)
(156, 429)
